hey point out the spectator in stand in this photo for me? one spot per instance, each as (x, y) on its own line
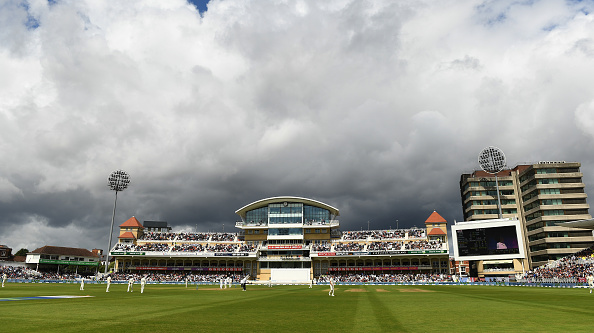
(349, 247)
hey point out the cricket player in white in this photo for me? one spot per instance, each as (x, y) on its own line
(590, 280)
(221, 283)
(130, 285)
(82, 283)
(4, 277)
(331, 292)
(142, 284)
(244, 282)
(108, 283)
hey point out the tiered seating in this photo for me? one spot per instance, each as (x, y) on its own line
(385, 278)
(158, 236)
(423, 245)
(188, 247)
(384, 246)
(321, 247)
(578, 265)
(349, 247)
(383, 234)
(223, 237)
(191, 236)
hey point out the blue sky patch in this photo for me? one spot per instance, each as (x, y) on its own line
(201, 5)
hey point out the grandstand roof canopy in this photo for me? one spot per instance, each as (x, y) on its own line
(265, 202)
(584, 224)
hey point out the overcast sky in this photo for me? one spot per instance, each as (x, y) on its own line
(373, 107)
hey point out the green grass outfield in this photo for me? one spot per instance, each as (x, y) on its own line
(173, 308)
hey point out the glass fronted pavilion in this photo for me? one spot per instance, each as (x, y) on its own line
(287, 238)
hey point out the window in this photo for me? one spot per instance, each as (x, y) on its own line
(550, 191)
(257, 216)
(552, 212)
(548, 181)
(552, 202)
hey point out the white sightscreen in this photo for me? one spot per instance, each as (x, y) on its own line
(289, 274)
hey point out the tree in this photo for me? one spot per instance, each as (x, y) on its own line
(22, 252)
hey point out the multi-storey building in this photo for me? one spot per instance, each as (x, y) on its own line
(541, 196)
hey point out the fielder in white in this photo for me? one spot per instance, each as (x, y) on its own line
(244, 282)
(108, 283)
(130, 285)
(142, 284)
(4, 277)
(331, 292)
(590, 280)
(82, 283)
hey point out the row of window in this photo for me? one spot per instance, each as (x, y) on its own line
(494, 211)
(488, 183)
(534, 182)
(488, 193)
(490, 202)
(542, 191)
(546, 202)
(542, 224)
(542, 235)
(542, 171)
(287, 212)
(561, 245)
(285, 231)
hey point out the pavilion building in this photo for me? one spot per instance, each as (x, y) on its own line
(285, 239)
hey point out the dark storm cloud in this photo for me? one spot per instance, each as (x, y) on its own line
(372, 107)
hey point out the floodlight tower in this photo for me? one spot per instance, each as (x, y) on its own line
(492, 160)
(117, 181)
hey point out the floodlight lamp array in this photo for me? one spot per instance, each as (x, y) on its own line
(492, 160)
(118, 180)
